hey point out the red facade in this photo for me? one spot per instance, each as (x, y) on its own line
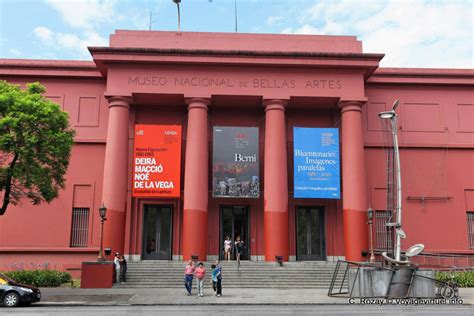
(275, 83)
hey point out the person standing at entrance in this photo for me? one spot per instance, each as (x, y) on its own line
(218, 272)
(227, 248)
(238, 249)
(123, 270)
(188, 276)
(200, 274)
(117, 267)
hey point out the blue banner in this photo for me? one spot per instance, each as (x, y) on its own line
(316, 163)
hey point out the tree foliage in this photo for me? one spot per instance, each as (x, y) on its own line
(35, 145)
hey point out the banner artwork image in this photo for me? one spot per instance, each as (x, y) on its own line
(316, 163)
(156, 161)
(235, 162)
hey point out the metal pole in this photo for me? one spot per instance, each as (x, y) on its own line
(397, 249)
(179, 18)
(235, 10)
(101, 257)
(371, 239)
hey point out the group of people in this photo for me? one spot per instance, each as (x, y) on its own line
(200, 272)
(239, 244)
(120, 266)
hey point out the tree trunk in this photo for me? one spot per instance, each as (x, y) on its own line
(8, 185)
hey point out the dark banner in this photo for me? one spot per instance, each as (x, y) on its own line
(235, 162)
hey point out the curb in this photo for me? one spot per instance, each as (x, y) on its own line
(98, 304)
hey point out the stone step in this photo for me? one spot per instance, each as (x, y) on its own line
(236, 277)
(252, 274)
(208, 288)
(242, 271)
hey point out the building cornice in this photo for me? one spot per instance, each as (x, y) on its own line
(422, 76)
(49, 68)
(106, 56)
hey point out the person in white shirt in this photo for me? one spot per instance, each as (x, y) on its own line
(227, 248)
(117, 267)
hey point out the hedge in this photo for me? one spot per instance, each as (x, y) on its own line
(39, 278)
(462, 278)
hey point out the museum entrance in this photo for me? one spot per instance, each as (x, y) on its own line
(235, 223)
(310, 236)
(157, 232)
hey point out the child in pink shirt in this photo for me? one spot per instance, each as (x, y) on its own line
(200, 274)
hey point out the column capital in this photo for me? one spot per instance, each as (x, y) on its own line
(351, 105)
(275, 104)
(202, 103)
(119, 101)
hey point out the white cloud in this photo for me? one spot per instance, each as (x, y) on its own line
(411, 33)
(305, 29)
(272, 20)
(15, 52)
(69, 41)
(422, 34)
(43, 33)
(85, 14)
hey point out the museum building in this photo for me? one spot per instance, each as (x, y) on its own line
(187, 138)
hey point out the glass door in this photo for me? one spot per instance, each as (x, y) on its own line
(234, 222)
(310, 237)
(157, 232)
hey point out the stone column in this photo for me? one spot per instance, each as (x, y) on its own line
(114, 190)
(354, 184)
(196, 181)
(275, 181)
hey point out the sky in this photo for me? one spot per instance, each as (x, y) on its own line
(412, 33)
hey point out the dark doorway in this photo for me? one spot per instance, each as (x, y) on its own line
(310, 236)
(235, 222)
(157, 232)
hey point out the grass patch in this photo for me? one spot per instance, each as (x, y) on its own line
(39, 278)
(462, 278)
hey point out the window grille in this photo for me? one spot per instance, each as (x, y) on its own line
(470, 229)
(79, 227)
(383, 238)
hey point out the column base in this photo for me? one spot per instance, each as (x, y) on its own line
(114, 232)
(194, 234)
(355, 234)
(276, 235)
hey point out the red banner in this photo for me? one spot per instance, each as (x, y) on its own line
(157, 161)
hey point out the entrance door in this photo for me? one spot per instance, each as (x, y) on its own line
(157, 232)
(234, 222)
(310, 241)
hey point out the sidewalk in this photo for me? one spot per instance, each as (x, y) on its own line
(152, 296)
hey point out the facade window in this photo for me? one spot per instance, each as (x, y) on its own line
(79, 227)
(470, 229)
(383, 238)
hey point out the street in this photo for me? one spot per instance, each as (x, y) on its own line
(240, 310)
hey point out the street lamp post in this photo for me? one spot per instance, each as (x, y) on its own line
(179, 17)
(399, 233)
(102, 213)
(370, 216)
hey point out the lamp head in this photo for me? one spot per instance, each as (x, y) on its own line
(387, 114)
(177, 1)
(370, 213)
(102, 210)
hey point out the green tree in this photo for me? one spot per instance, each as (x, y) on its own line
(35, 145)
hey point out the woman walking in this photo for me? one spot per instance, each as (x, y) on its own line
(200, 274)
(227, 248)
(188, 276)
(238, 249)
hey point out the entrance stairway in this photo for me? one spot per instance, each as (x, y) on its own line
(252, 274)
